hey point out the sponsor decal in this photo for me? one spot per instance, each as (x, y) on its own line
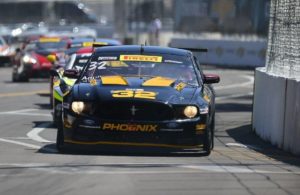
(90, 44)
(102, 65)
(133, 94)
(107, 58)
(180, 86)
(129, 127)
(173, 62)
(93, 82)
(87, 79)
(130, 89)
(83, 60)
(43, 40)
(142, 58)
(75, 45)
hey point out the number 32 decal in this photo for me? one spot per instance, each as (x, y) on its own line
(133, 94)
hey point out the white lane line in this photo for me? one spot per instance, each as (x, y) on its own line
(233, 169)
(249, 82)
(27, 114)
(34, 133)
(24, 112)
(18, 111)
(36, 147)
(233, 96)
(239, 145)
(16, 138)
(20, 143)
(102, 169)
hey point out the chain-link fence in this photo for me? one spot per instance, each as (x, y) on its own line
(283, 57)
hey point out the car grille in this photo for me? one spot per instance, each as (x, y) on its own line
(137, 111)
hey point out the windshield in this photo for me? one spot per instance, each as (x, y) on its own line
(131, 65)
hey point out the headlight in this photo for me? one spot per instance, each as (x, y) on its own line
(78, 107)
(81, 107)
(190, 111)
(29, 59)
(5, 52)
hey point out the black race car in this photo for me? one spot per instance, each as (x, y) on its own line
(139, 96)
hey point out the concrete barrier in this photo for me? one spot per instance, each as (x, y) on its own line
(269, 107)
(292, 117)
(231, 52)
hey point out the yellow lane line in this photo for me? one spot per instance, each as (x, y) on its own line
(23, 93)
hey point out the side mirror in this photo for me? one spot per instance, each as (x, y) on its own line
(51, 58)
(71, 73)
(211, 78)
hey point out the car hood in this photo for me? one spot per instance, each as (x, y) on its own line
(160, 89)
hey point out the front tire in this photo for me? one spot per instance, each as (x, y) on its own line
(60, 143)
(209, 137)
(57, 112)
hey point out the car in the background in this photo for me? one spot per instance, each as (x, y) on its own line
(139, 96)
(5, 52)
(33, 61)
(76, 61)
(78, 43)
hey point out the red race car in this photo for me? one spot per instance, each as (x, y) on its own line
(33, 61)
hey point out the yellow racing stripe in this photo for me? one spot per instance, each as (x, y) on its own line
(159, 82)
(132, 144)
(113, 80)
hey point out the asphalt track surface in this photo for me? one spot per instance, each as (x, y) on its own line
(240, 164)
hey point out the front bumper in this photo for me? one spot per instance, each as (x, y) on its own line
(82, 130)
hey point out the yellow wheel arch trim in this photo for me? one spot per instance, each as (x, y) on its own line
(132, 144)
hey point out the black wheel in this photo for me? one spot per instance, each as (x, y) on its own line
(15, 77)
(207, 142)
(213, 132)
(20, 74)
(60, 143)
(19, 78)
(24, 78)
(209, 137)
(57, 112)
(57, 119)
